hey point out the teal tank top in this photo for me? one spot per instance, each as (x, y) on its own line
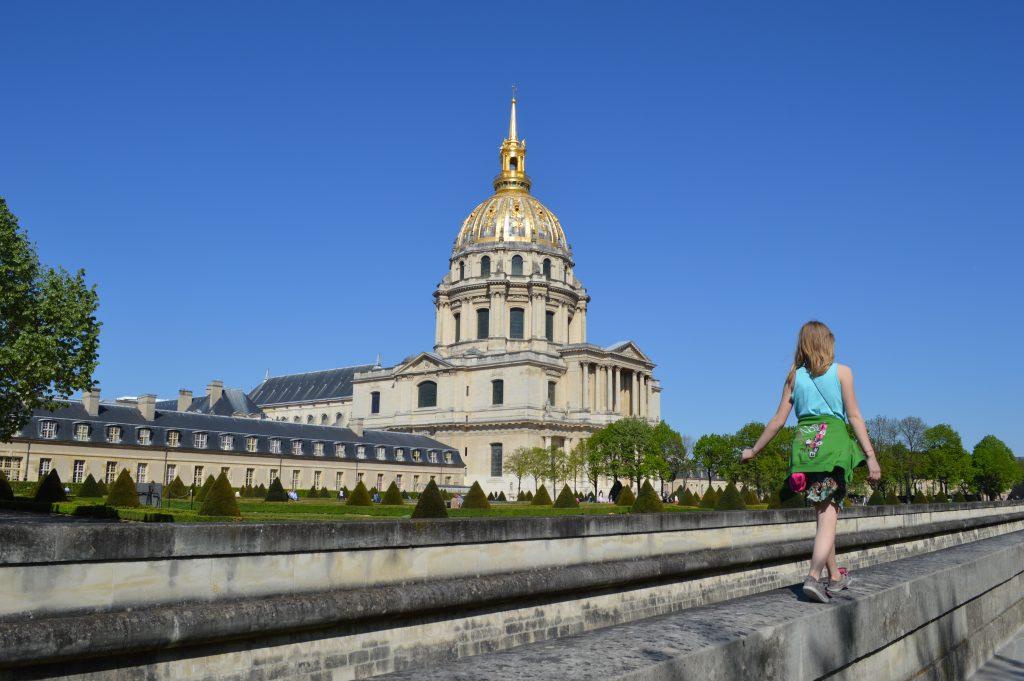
(821, 396)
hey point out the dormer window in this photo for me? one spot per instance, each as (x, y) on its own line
(399, 454)
(416, 455)
(432, 456)
(114, 434)
(380, 453)
(339, 449)
(173, 438)
(82, 431)
(275, 446)
(144, 436)
(48, 430)
(447, 457)
(199, 440)
(361, 452)
(297, 447)
(318, 449)
(251, 444)
(227, 442)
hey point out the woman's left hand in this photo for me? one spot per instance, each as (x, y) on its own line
(747, 455)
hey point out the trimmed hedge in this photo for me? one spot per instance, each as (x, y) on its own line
(220, 499)
(710, 498)
(647, 502)
(6, 493)
(749, 498)
(502, 497)
(730, 500)
(941, 498)
(431, 503)
(542, 498)
(360, 496)
(176, 490)
(89, 488)
(528, 496)
(122, 492)
(687, 498)
(50, 490)
(566, 499)
(205, 489)
(276, 491)
(393, 497)
(521, 496)
(476, 498)
(626, 497)
(877, 498)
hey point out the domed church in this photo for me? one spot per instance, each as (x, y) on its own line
(511, 365)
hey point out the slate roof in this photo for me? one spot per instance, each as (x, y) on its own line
(313, 386)
(233, 401)
(337, 442)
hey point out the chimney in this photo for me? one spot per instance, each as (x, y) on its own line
(215, 390)
(184, 399)
(91, 401)
(356, 426)
(147, 406)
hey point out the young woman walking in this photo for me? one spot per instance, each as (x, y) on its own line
(823, 456)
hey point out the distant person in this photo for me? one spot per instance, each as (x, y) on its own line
(293, 495)
(456, 501)
(615, 491)
(341, 494)
(823, 456)
(600, 496)
(376, 498)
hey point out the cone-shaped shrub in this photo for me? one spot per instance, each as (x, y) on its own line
(877, 498)
(626, 497)
(104, 489)
(730, 500)
(521, 496)
(205, 489)
(393, 496)
(51, 489)
(360, 496)
(6, 493)
(529, 496)
(313, 493)
(709, 499)
(490, 496)
(749, 498)
(276, 491)
(260, 492)
(431, 503)
(680, 491)
(566, 499)
(919, 498)
(892, 500)
(476, 498)
(687, 498)
(220, 499)
(89, 488)
(122, 492)
(177, 489)
(502, 497)
(941, 498)
(647, 502)
(959, 498)
(541, 498)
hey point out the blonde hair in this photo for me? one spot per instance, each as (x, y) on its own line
(815, 350)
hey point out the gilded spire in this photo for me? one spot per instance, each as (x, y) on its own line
(512, 118)
(513, 175)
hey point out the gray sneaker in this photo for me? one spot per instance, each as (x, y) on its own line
(844, 582)
(815, 591)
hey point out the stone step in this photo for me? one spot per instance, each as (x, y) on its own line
(941, 615)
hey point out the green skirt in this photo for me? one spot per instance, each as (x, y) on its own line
(822, 444)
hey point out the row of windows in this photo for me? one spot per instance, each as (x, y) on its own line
(427, 393)
(516, 324)
(517, 267)
(144, 436)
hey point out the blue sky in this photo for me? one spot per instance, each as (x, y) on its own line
(261, 186)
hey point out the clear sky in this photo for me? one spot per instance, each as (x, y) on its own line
(259, 186)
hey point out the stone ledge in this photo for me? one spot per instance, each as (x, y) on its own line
(51, 543)
(68, 636)
(899, 620)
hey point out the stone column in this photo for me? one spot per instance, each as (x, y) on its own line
(616, 398)
(635, 397)
(585, 367)
(608, 388)
(538, 310)
(498, 313)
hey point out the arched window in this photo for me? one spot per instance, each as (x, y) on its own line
(485, 266)
(462, 270)
(517, 264)
(296, 419)
(515, 322)
(498, 391)
(427, 394)
(483, 323)
(337, 418)
(309, 419)
(323, 419)
(513, 164)
(547, 268)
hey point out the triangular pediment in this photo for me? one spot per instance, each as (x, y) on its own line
(425, 362)
(630, 350)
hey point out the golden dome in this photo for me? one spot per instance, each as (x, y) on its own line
(512, 215)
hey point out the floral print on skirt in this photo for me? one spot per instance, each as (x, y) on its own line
(826, 486)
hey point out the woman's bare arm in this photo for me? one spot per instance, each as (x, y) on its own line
(857, 420)
(774, 425)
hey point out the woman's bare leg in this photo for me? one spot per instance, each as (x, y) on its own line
(824, 538)
(833, 567)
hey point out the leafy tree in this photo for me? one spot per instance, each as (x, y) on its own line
(994, 466)
(539, 465)
(122, 492)
(909, 458)
(594, 465)
(768, 470)
(51, 489)
(627, 447)
(671, 453)
(49, 335)
(220, 499)
(575, 464)
(945, 460)
(517, 463)
(713, 453)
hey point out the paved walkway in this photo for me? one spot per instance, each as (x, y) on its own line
(1008, 663)
(30, 518)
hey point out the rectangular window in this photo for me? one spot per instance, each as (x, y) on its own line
(172, 473)
(142, 473)
(359, 477)
(78, 471)
(225, 470)
(197, 476)
(316, 478)
(549, 325)
(251, 444)
(432, 456)
(361, 452)
(399, 454)
(227, 442)
(483, 323)
(82, 432)
(337, 479)
(380, 481)
(318, 449)
(111, 473)
(515, 322)
(458, 328)
(416, 455)
(48, 430)
(275, 446)
(199, 440)
(44, 467)
(295, 479)
(415, 483)
(273, 474)
(447, 457)
(498, 392)
(145, 436)
(173, 438)
(380, 453)
(496, 464)
(375, 402)
(297, 447)
(250, 473)
(339, 449)
(551, 393)
(113, 434)
(447, 479)
(11, 467)
(398, 481)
